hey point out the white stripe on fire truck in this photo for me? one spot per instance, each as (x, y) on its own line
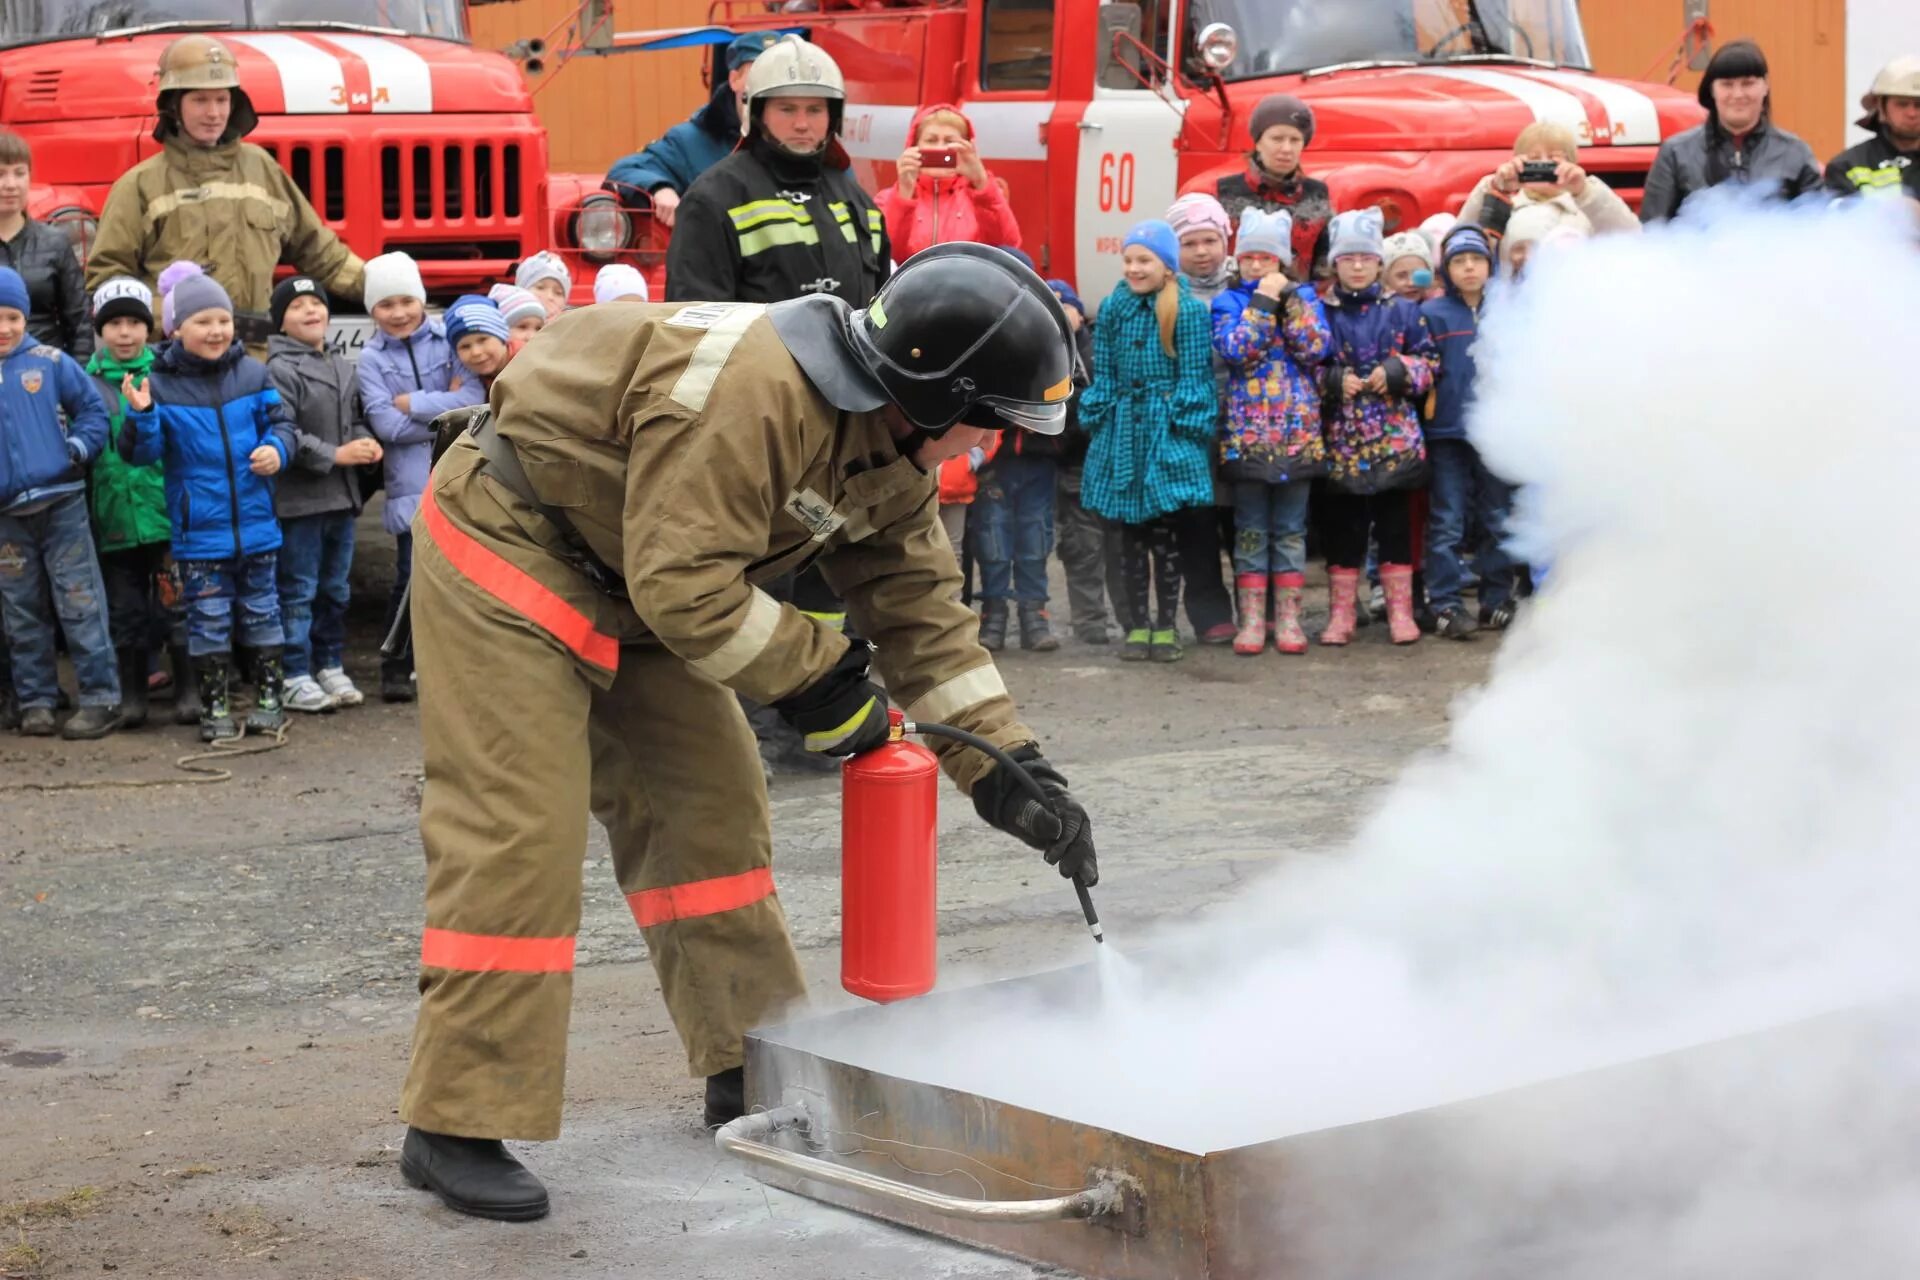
(1636, 121)
(401, 78)
(1544, 100)
(312, 82)
(1004, 130)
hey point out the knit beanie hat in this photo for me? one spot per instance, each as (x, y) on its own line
(393, 275)
(1535, 222)
(1735, 60)
(1266, 233)
(1281, 108)
(1466, 238)
(1157, 236)
(1408, 244)
(471, 313)
(1199, 212)
(122, 296)
(1022, 257)
(198, 292)
(1068, 298)
(175, 272)
(617, 280)
(13, 291)
(543, 266)
(515, 303)
(287, 290)
(1358, 232)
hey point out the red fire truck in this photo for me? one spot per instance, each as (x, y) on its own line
(1098, 114)
(401, 133)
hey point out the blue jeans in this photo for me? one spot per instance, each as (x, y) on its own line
(216, 590)
(1011, 526)
(315, 554)
(1460, 483)
(1270, 526)
(52, 549)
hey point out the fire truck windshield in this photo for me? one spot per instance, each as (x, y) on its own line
(30, 21)
(1278, 37)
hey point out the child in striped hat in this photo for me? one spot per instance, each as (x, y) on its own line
(480, 337)
(523, 311)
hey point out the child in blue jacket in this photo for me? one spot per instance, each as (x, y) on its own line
(1460, 481)
(45, 538)
(212, 414)
(1273, 336)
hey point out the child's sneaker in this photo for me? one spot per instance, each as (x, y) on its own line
(1165, 647)
(1139, 644)
(303, 693)
(339, 687)
(1454, 623)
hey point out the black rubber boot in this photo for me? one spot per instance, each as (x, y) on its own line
(993, 625)
(133, 688)
(212, 673)
(474, 1176)
(1036, 631)
(89, 723)
(186, 692)
(268, 678)
(396, 682)
(726, 1096)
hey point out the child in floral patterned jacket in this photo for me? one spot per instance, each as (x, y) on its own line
(1379, 369)
(1272, 335)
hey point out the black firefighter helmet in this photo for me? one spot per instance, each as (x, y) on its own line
(966, 332)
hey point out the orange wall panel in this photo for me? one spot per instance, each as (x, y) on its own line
(1805, 43)
(599, 107)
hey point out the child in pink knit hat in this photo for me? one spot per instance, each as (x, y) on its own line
(1201, 225)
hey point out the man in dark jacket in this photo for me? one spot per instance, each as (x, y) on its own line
(1738, 143)
(43, 255)
(782, 217)
(1889, 162)
(665, 169)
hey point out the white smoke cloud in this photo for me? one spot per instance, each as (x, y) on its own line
(1681, 809)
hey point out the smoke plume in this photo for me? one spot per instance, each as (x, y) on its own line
(1681, 809)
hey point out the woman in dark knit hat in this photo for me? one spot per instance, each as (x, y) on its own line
(1282, 127)
(1738, 143)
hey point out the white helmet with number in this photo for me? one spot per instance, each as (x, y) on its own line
(792, 68)
(1898, 79)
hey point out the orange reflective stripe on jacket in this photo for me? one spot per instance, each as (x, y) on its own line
(494, 953)
(517, 589)
(701, 897)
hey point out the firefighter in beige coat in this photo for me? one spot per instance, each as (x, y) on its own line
(585, 608)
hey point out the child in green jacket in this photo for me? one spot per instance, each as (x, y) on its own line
(129, 504)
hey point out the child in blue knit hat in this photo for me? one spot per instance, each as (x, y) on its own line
(1152, 412)
(480, 337)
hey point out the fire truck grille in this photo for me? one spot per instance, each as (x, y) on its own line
(319, 170)
(437, 183)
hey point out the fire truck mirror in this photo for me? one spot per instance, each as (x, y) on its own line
(1218, 45)
(1112, 58)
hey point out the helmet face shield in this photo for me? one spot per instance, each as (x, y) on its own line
(1041, 419)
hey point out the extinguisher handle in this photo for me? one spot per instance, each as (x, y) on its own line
(1026, 780)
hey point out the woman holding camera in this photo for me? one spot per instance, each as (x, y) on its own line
(1545, 169)
(943, 192)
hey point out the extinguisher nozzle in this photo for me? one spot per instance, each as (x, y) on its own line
(1086, 909)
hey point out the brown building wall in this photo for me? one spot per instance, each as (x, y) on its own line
(598, 108)
(1805, 43)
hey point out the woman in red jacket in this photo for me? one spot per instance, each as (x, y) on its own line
(931, 204)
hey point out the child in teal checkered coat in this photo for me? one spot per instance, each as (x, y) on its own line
(1152, 412)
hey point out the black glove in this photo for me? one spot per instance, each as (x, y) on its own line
(843, 713)
(1064, 832)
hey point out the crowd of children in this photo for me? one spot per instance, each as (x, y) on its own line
(183, 512)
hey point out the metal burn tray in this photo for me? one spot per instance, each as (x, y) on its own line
(1521, 1183)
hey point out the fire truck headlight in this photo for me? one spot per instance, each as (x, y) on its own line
(602, 228)
(81, 228)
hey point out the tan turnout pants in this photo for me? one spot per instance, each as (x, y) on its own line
(532, 715)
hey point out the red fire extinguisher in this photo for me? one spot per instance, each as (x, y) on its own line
(889, 874)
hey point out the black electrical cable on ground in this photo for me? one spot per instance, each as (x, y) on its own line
(1026, 780)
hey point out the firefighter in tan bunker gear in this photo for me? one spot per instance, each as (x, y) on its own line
(585, 609)
(208, 196)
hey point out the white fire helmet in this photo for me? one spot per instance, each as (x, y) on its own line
(1898, 79)
(792, 68)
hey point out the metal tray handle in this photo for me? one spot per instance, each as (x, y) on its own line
(743, 1138)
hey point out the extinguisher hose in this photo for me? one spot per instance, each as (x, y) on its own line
(1025, 779)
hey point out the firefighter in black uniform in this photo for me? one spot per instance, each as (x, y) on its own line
(779, 219)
